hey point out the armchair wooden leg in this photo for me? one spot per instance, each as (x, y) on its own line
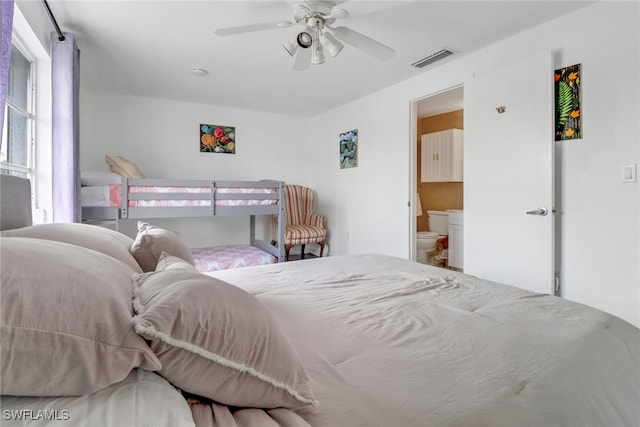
(321, 249)
(302, 252)
(286, 251)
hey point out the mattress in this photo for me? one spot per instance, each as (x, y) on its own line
(111, 196)
(96, 195)
(224, 257)
(390, 342)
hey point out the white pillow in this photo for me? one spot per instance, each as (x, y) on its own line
(66, 320)
(157, 403)
(171, 262)
(151, 241)
(107, 241)
(123, 167)
(218, 341)
(88, 178)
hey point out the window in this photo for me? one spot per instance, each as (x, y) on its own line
(16, 153)
(26, 148)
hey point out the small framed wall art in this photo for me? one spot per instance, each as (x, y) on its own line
(349, 149)
(568, 99)
(217, 139)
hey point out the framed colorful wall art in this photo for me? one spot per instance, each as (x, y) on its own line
(217, 139)
(568, 100)
(349, 149)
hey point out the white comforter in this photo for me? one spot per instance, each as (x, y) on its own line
(388, 342)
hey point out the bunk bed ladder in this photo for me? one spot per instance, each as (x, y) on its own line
(281, 223)
(212, 194)
(124, 198)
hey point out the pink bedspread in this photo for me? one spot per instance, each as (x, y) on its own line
(115, 196)
(224, 257)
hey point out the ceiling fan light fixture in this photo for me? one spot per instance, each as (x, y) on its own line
(304, 40)
(333, 46)
(318, 33)
(317, 53)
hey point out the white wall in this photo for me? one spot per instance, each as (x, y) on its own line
(602, 269)
(162, 138)
(366, 206)
(600, 222)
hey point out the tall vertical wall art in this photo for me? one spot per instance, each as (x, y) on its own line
(568, 99)
(349, 149)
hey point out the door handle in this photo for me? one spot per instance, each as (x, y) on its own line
(542, 211)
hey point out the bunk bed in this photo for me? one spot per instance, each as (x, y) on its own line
(145, 198)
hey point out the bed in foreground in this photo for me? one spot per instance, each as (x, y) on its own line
(390, 342)
(355, 340)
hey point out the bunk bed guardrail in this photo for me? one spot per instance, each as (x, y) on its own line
(148, 198)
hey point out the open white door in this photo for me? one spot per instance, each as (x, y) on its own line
(508, 171)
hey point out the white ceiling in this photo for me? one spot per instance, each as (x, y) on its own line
(149, 47)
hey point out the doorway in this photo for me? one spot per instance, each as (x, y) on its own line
(436, 196)
(509, 224)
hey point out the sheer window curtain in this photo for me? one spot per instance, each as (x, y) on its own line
(65, 79)
(7, 25)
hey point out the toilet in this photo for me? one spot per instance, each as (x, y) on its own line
(426, 240)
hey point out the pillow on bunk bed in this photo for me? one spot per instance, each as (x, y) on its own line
(66, 320)
(218, 341)
(123, 167)
(90, 178)
(101, 239)
(151, 241)
(170, 262)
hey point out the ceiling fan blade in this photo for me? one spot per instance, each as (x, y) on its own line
(299, 12)
(302, 60)
(363, 8)
(364, 43)
(338, 13)
(230, 31)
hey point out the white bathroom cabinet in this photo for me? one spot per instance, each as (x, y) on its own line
(442, 156)
(456, 223)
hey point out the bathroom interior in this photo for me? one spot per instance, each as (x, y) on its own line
(440, 139)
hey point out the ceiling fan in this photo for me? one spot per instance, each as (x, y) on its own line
(317, 17)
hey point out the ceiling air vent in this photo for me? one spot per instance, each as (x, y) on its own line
(421, 63)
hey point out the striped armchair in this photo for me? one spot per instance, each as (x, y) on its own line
(302, 225)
